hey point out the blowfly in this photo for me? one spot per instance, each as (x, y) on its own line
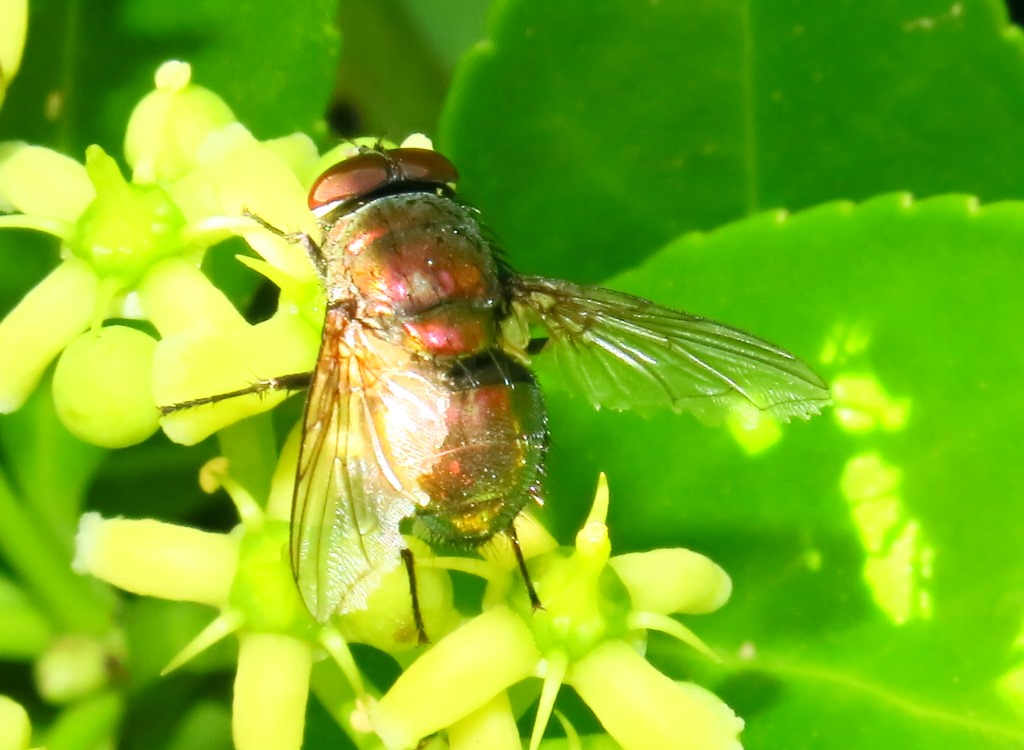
(422, 404)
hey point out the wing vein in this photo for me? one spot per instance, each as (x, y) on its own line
(626, 352)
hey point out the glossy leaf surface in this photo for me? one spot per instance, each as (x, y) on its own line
(874, 550)
(643, 121)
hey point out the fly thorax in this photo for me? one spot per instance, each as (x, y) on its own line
(426, 277)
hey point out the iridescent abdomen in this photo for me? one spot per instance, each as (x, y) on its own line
(426, 278)
(491, 462)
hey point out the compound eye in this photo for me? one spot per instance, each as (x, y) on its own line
(356, 176)
(423, 165)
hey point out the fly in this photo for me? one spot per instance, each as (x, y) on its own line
(422, 404)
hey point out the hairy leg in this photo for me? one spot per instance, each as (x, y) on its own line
(301, 239)
(534, 599)
(417, 615)
(294, 382)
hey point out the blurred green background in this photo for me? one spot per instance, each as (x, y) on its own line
(747, 161)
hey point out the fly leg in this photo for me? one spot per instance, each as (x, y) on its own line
(417, 615)
(534, 599)
(294, 382)
(301, 239)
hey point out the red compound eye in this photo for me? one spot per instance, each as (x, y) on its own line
(364, 173)
(347, 179)
(423, 165)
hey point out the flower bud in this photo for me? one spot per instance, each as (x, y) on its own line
(102, 387)
(387, 622)
(73, 667)
(170, 124)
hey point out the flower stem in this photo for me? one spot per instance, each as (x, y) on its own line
(334, 691)
(44, 565)
(250, 449)
(88, 723)
(52, 468)
(24, 632)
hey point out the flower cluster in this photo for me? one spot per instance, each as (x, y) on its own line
(133, 323)
(589, 633)
(131, 250)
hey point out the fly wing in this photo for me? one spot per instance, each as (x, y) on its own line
(371, 421)
(626, 352)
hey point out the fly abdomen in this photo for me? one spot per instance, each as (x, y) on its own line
(490, 464)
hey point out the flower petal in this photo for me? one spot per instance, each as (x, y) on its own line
(200, 363)
(169, 125)
(12, 40)
(241, 174)
(298, 151)
(673, 580)
(15, 729)
(40, 182)
(492, 726)
(271, 688)
(153, 558)
(643, 709)
(167, 284)
(59, 308)
(458, 676)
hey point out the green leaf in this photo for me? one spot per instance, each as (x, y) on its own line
(875, 551)
(390, 83)
(87, 724)
(397, 61)
(52, 468)
(590, 134)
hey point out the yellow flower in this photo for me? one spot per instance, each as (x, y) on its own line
(589, 633)
(15, 729)
(131, 250)
(12, 40)
(595, 609)
(247, 576)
